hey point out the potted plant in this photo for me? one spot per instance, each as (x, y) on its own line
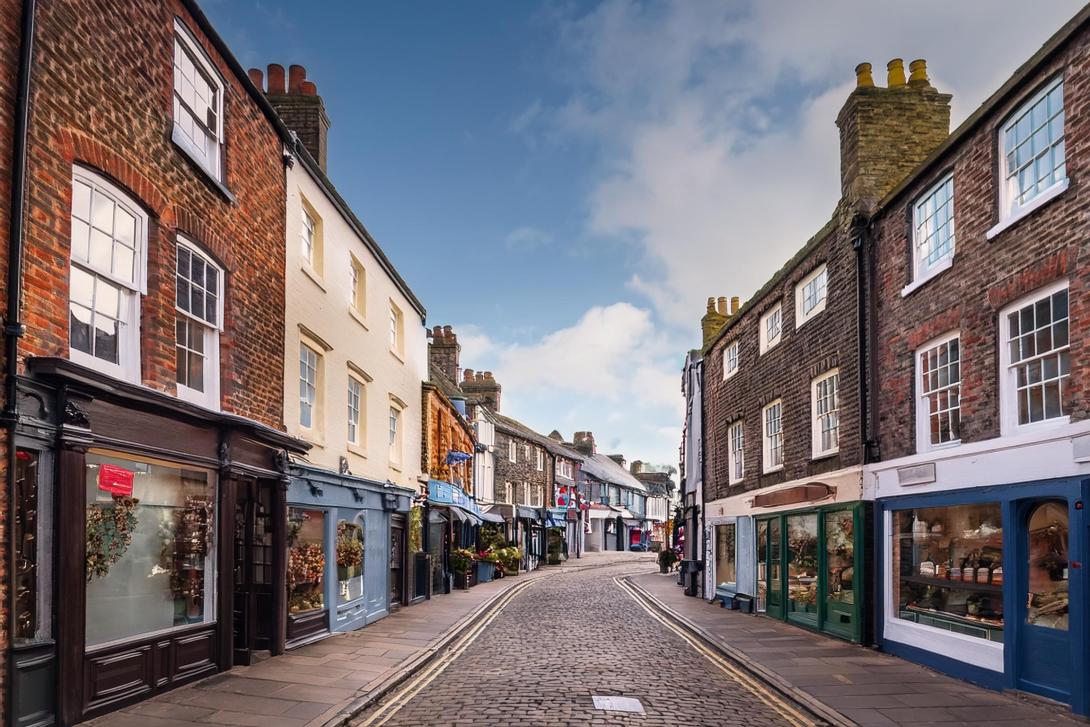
(667, 558)
(461, 561)
(486, 566)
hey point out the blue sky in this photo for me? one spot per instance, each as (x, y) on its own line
(567, 182)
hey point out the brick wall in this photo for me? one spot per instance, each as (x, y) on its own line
(525, 469)
(103, 99)
(829, 340)
(445, 432)
(986, 275)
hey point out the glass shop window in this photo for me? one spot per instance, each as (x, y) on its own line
(949, 566)
(802, 563)
(150, 548)
(32, 551)
(349, 561)
(1046, 605)
(726, 566)
(840, 556)
(306, 559)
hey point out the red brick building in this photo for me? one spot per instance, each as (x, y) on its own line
(149, 374)
(980, 397)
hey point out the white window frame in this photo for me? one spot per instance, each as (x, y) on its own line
(396, 332)
(316, 385)
(731, 355)
(358, 410)
(923, 400)
(505, 496)
(767, 435)
(396, 434)
(816, 417)
(210, 397)
(818, 278)
(131, 291)
(512, 451)
(308, 236)
(771, 341)
(357, 286)
(526, 452)
(736, 456)
(537, 496)
(184, 42)
(922, 270)
(539, 460)
(1009, 209)
(1007, 381)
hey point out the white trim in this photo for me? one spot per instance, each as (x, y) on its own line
(731, 459)
(816, 452)
(801, 316)
(1032, 206)
(1008, 406)
(920, 271)
(766, 343)
(196, 53)
(766, 441)
(732, 346)
(932, 272)
(922, 417)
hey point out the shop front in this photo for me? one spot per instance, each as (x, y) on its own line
(531, 536)
(164, 518)
(454, 519)
(811, 568)
(339, 545)
(988, 584)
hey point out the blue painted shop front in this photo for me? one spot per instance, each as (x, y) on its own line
(989, 584)
(338, 539)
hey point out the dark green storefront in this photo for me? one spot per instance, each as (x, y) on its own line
(812, 568)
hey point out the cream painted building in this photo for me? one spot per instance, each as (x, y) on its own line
(355, 348)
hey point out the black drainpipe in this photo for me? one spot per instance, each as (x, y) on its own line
(13, 327)
(860, 234)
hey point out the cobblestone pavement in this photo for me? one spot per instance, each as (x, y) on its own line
(561, 641)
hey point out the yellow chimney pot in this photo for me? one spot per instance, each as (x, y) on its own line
(896, 73)
(918, 73)
(863, 77)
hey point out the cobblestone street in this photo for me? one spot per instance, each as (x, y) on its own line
(562, 641)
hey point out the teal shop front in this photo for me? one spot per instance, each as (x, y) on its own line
(338, 551)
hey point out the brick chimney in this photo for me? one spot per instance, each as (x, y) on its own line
(483, 387)
(718, 315)
(299, 105)
(443, 350)
(584, 442)
(886, 132)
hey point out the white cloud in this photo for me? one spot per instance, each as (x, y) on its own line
(610, 372)
(523, 239)
(715, 120)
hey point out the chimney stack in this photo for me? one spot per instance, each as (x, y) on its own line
(481, 387)
(886, 132)
(584, 442)
(718, 315)
(444, 350)
(299, 105)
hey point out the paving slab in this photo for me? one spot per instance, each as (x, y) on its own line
(863, 685)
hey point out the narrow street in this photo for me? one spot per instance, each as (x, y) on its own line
(561, 641)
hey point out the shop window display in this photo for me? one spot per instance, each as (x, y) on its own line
(1047, 602)
(725, 563)
(306, 560)
(802, 565)
(349, 561)
(840, 556)
(949, 566)
(149, 547)
(762, 566)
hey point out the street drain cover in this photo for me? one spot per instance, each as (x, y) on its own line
(618, 704)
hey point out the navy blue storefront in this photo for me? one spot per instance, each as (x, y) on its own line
(990, 584)
(338, 540)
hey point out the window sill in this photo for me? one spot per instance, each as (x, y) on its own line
(804, 318)
(357, 450)
(942, 266)
(116, 371)
(358, 318)
(396, 467)
(309, 435)
(770, 470)
(1035, 204)
(1045, 424)
(769, 347)
(198, 398)
(180, 143)
(313, 275)
(396, 355)
(731, 375)
(938, 447)
(818, 456)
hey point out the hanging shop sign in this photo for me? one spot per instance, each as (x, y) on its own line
(115, 480)
(444, 493)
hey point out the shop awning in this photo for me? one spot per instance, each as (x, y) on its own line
(492, 517)
(465, 516)
(528, 513)
(504, 512)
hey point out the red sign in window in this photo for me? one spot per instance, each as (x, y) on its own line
(115, 480)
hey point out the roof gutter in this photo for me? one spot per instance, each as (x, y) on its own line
(13, 326)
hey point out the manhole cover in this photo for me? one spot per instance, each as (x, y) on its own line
(618, 704)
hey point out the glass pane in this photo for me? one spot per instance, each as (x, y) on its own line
(802, 564)
(762, 565)
(150, 547)
(81, 241)
(101, 251)
(196, 371)
(1047, 602)
(775, 563)
(125, 227)
(82, 288)
(349, 561)
(948, 568)
(840, 556)
(306, 559)
(725, 564)
(79, 328)
(81, 200)
(102, 213)
(106, 339)
(123, 263)
(31, 617)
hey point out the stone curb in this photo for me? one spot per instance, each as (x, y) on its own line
(807, 701)
(413, 664)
